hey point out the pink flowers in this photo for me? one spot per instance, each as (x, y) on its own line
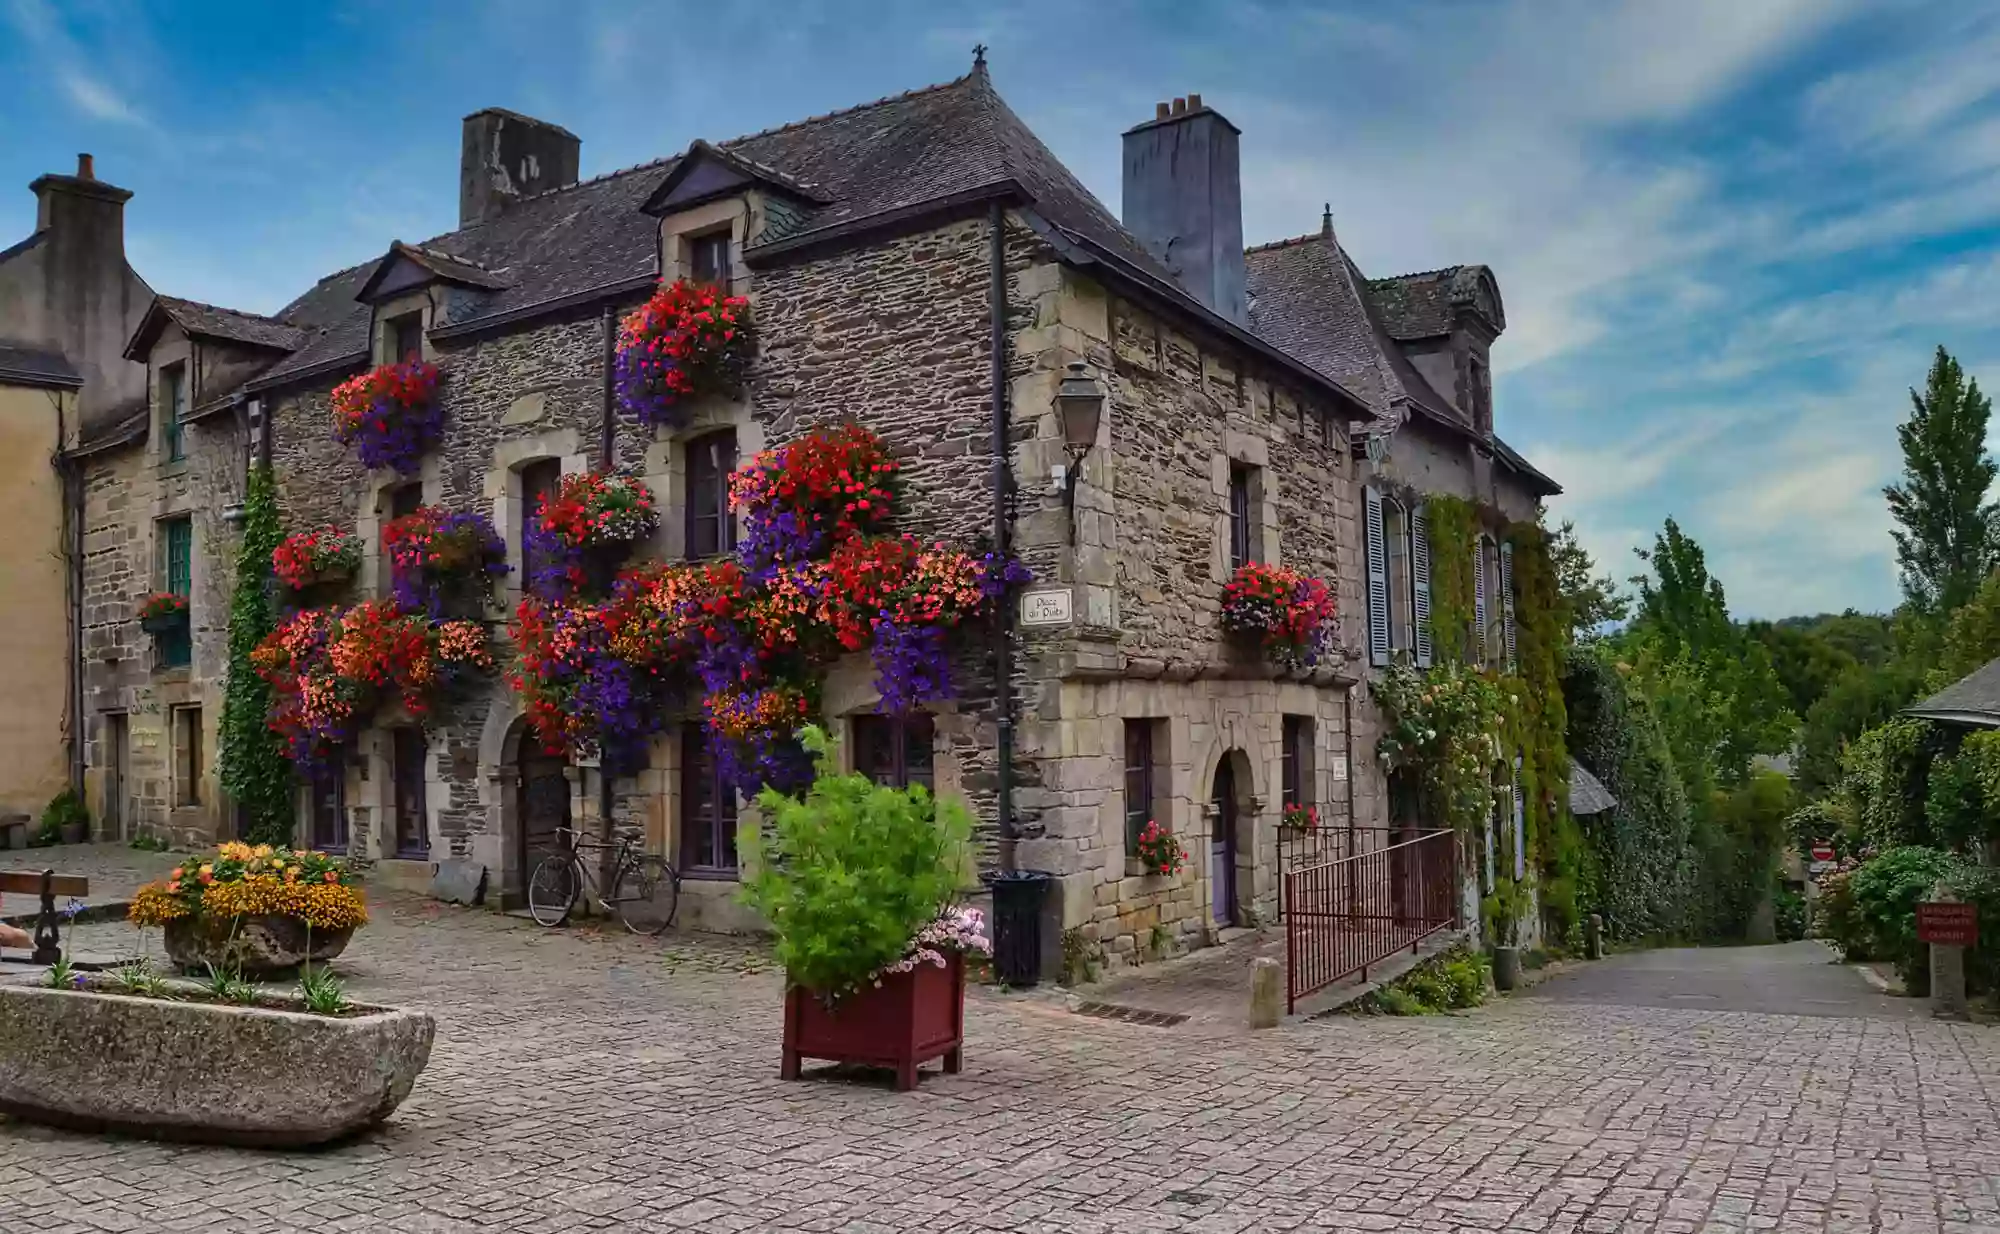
(309, 557)
(1290, 613)
(959, 929)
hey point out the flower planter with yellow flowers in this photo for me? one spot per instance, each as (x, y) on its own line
(259, 911)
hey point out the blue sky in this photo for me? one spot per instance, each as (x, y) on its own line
(1729, 234)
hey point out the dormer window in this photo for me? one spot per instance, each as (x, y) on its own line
(403, 338)
(708, 257)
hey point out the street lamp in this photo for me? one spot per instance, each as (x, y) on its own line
(1080, 404)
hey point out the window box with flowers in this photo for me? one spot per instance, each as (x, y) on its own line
(690, 341)
(1302, 820)
(1288, 614)
(859, 882)
(444, 564)
(584, 530)
(163, 613)
(1159, 853)
(311, 559)
(391, 416)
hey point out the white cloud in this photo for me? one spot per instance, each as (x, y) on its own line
(95, 99)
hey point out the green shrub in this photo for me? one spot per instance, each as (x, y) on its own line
(1886, 891)
(1451, 981)
(1390, 1000)
(1790, 911)
(1837, 918)
(1980, 885)
(847, 876)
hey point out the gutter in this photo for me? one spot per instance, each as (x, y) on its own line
(1003, 485)
(72, 534)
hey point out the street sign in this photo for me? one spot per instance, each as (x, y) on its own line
(1045, 608)
(1955, 925)
(1822, 852)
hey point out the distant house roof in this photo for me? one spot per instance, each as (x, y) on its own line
(1972, 700)
(26, 364)
(210, 322)
(1587, 794)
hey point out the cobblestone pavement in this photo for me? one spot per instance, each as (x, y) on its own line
(598, 1082)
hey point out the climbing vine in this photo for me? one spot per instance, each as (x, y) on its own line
(1454, 529)
(255, 772)
(1541, 628)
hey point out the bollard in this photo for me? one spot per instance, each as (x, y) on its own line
(1593, 937)
(1266, 1000)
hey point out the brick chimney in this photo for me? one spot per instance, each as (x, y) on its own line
(505, 156)
(1183, 199)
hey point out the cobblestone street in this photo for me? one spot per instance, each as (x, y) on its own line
(587, 1081)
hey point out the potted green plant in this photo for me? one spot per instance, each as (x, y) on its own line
(65, 820)
(1503, 911)
(859, 883)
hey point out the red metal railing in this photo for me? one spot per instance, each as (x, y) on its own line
(1342, 916)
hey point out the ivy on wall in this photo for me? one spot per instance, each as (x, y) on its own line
(255, 772)
(1454, 528)
(1540, 724)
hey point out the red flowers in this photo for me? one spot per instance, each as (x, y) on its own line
(162, 604)
(691, 340)
(1159, 851)
(1290, 613)
(390, 415)
(309, 557)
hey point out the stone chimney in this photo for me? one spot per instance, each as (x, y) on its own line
(88, 300)
(505, 156)
(1183, 199)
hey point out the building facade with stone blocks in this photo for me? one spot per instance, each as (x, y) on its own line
(884, 250)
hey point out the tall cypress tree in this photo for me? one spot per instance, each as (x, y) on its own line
(255, 772)
(1947, 541)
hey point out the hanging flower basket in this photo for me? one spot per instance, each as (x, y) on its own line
(586, 529)
(1298, 818)
(689, 341)
(309, 559)
(1289, 614)
(163, 613)
(391, 417)
(330, 668)
(443, 564)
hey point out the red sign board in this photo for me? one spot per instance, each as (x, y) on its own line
(1953, 924)
(1822, 852)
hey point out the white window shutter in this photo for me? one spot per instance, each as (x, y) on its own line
(1507, 598)
(1520, 833)
(1378, 577)
(1420, 582)
(1479, 599)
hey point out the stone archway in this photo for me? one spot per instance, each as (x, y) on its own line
(1230, 848)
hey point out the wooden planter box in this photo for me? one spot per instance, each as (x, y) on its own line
(909, 1020)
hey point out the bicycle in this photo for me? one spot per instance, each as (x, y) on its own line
(645, 890)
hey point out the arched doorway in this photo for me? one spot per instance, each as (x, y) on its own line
(542, 805)
(1223, 817)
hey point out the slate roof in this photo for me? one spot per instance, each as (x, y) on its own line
(1972, 700)
(447, 266)
(29, 364)
(1308, 297)
(118, 425)
(213, 322)
(1415, 306)
(864, 163)
(1587, 794)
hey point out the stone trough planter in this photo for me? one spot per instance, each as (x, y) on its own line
(256, 946)
(203, 1072)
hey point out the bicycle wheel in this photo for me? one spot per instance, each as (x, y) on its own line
(552, 890)
(647, 892)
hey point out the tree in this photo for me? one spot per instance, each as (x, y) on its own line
(255, 772)
(1946, 543)
(1591, 600)
(1806, 663)
(1681, 605)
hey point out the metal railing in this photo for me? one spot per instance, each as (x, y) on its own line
(1344, 915)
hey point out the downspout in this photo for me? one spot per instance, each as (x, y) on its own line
(72, 533)
(607, 443)
(1003, 483)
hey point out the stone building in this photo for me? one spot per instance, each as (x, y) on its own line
(886, 250)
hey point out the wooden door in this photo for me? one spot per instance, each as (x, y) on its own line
(1222, 847)
(543, 805)
(117, 742)
(407, 775)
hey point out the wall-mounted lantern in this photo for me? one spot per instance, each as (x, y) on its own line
(1080, 405)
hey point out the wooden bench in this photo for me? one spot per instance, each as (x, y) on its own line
(48, 885)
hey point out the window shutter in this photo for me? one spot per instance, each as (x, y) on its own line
(1420, 582)
(1378, 578)
(1479, 598)
(1507, 599)
(1520, 825)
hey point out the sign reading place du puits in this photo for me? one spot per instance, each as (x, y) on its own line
(1046, 607)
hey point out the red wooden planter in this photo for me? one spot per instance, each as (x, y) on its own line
(909, 1020)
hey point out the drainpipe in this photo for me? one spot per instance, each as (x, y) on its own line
(72, 534)
(607, 443)
(1003, 484)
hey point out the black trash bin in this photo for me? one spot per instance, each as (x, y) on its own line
(1017, 925)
